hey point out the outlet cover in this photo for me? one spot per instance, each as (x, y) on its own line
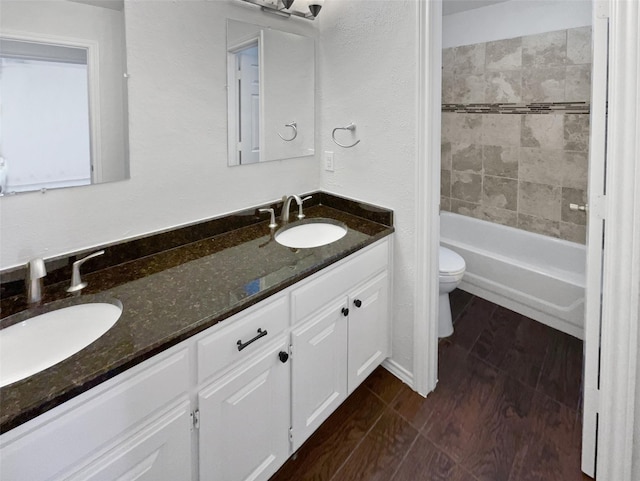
(328, 161)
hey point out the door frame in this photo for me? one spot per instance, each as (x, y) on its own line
(621, 272)
(621, 265)
(427, 216)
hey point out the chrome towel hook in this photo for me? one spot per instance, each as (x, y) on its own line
(293, 125)
(350, 127)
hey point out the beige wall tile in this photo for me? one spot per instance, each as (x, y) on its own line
(579, 45)
(503, 87)
(469, 59)
(542, 130)
(541, 166)
(498, 129)
(504, 54)
(500, 160)
(539, 200)
(463, 128)
(445, 155)
(547, 49)
(575, 170)
(539, 225)
(500, 192)
(466, 208)
(448, 88)
(497, 215)
(573, 196)
(543, 85)
(448, 60)
(447, 127)
(576, 132)
(573, 232)
(466, 157)
(445, 183)
(445, 204)
(578, 83)
(469, 89)
(466, 186)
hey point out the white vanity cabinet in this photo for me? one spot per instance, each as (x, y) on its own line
(231, 403)
(244, 413)
(135, 426)
(340, 335)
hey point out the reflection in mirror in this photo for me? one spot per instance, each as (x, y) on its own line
(62, 81)
(270, 77)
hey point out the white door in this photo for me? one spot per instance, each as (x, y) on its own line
(244, 420)
(248, 79)
(595, 236)
(319, 369)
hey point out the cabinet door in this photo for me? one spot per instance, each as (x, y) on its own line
(244, 420)
(161, 451)
(368, 329)
(319, 369)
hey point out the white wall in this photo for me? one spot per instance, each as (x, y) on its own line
(514, 18)
(178, 141)
(368, 75)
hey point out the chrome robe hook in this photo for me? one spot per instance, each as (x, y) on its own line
(293, 125)
(351, 127)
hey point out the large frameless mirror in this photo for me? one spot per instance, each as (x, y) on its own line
(63, 117)
(270, 105)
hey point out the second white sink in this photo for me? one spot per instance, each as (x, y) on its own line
(310, 233)
(39, 342)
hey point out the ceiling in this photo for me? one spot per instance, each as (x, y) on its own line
(456, 6)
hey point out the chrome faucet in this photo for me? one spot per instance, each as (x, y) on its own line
(35, 273)
(286, 206)
(76, 280)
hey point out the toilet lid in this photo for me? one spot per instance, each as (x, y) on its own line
(450, 262)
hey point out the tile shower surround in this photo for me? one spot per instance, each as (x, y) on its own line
(515, 131)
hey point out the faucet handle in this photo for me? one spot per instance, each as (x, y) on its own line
(76, 280)
(272, 222)
(36, 270)
(300, 214)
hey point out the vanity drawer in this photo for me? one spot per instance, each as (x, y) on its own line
(330, 285)
(220, 349)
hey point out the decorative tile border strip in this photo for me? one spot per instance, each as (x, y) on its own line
(532, 108)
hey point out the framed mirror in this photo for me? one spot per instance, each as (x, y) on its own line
(63, 94)
(271, 85)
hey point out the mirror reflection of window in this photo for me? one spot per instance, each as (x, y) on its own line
(48, 48)
(45, 116)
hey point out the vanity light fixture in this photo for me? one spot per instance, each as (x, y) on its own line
(308, 9)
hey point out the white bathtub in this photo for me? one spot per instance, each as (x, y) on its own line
(535, 275)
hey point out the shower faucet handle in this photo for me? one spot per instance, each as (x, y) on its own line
(579, 207)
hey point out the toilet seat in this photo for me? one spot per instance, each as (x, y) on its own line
(451, 263)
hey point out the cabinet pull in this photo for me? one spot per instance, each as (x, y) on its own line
(345, 311)
(357, 302)
(241, 346)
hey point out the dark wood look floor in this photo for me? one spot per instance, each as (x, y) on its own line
(506, 408)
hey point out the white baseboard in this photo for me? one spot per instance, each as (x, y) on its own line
(398, 371)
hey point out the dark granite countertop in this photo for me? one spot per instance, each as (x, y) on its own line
(171, 295)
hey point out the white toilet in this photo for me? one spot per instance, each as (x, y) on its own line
(451, 271)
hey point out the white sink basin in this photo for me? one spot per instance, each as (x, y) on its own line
(40, 342)
(310, 233)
